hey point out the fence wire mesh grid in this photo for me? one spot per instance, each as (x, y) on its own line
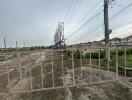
(26, 73)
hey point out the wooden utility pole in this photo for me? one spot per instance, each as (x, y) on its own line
(106, 26)
(4, 44)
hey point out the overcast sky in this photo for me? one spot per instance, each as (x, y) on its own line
(33, 22)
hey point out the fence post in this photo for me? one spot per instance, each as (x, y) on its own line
(30, 65)
(90, 61)
(73, 66)
(108, 64)
(90, 66)
(117, 63)
(42, 75)
(53, 80)
(20, 68)
(63, 68)
(8, 73)
(125, 64)
(99, 65)
(81, 62)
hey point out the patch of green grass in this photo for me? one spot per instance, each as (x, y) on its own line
(128, 61)
(14, 55)
(112, 63)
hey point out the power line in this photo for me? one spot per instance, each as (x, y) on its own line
(90, 32)
(88, 21)
(91, 18)
(69, 10)
(121, 10)
(74, 11)
(111, 1)
(74, 6)
(109, 19)
(89, 12)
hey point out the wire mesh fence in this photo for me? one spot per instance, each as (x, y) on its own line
(23, 74)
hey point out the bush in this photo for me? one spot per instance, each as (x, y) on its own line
(129, 51)
(87, 55)
(121, 52)
(102, 54)
(77, 54)
(94, 55)
(67, 53)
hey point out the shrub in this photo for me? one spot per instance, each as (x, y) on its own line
(86, 55)
(94, 55)
(120, 52)
(102, 54)
(67, 53)
(129, 51)
(77, 54)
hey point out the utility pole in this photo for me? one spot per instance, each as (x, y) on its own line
(4, 44)
(106, 27)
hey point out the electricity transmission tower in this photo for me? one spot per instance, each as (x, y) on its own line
(59, 39)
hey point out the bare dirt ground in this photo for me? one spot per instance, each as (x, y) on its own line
(108, 91)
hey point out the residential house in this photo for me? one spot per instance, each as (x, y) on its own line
(127, 40)
(115, 41)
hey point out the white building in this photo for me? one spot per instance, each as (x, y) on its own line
(115, 41)
(127, 40)
(102, 42)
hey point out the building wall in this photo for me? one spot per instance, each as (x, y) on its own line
(115, 42)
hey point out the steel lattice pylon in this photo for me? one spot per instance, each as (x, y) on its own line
(59, 40)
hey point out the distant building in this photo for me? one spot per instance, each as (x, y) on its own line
(102, 42)
(127, 40)
(95, 43)
(86, 44)
(115, 41)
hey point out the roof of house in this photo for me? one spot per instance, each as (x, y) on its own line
(114, 39)
(128, 37)
(102, 40)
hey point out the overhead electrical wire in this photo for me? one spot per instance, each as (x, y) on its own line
(90, 19)
(93, 30)
(84, 17)
(86, 22)
(74, 7)
(109, 19)
(121, 10)
(69, 10)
